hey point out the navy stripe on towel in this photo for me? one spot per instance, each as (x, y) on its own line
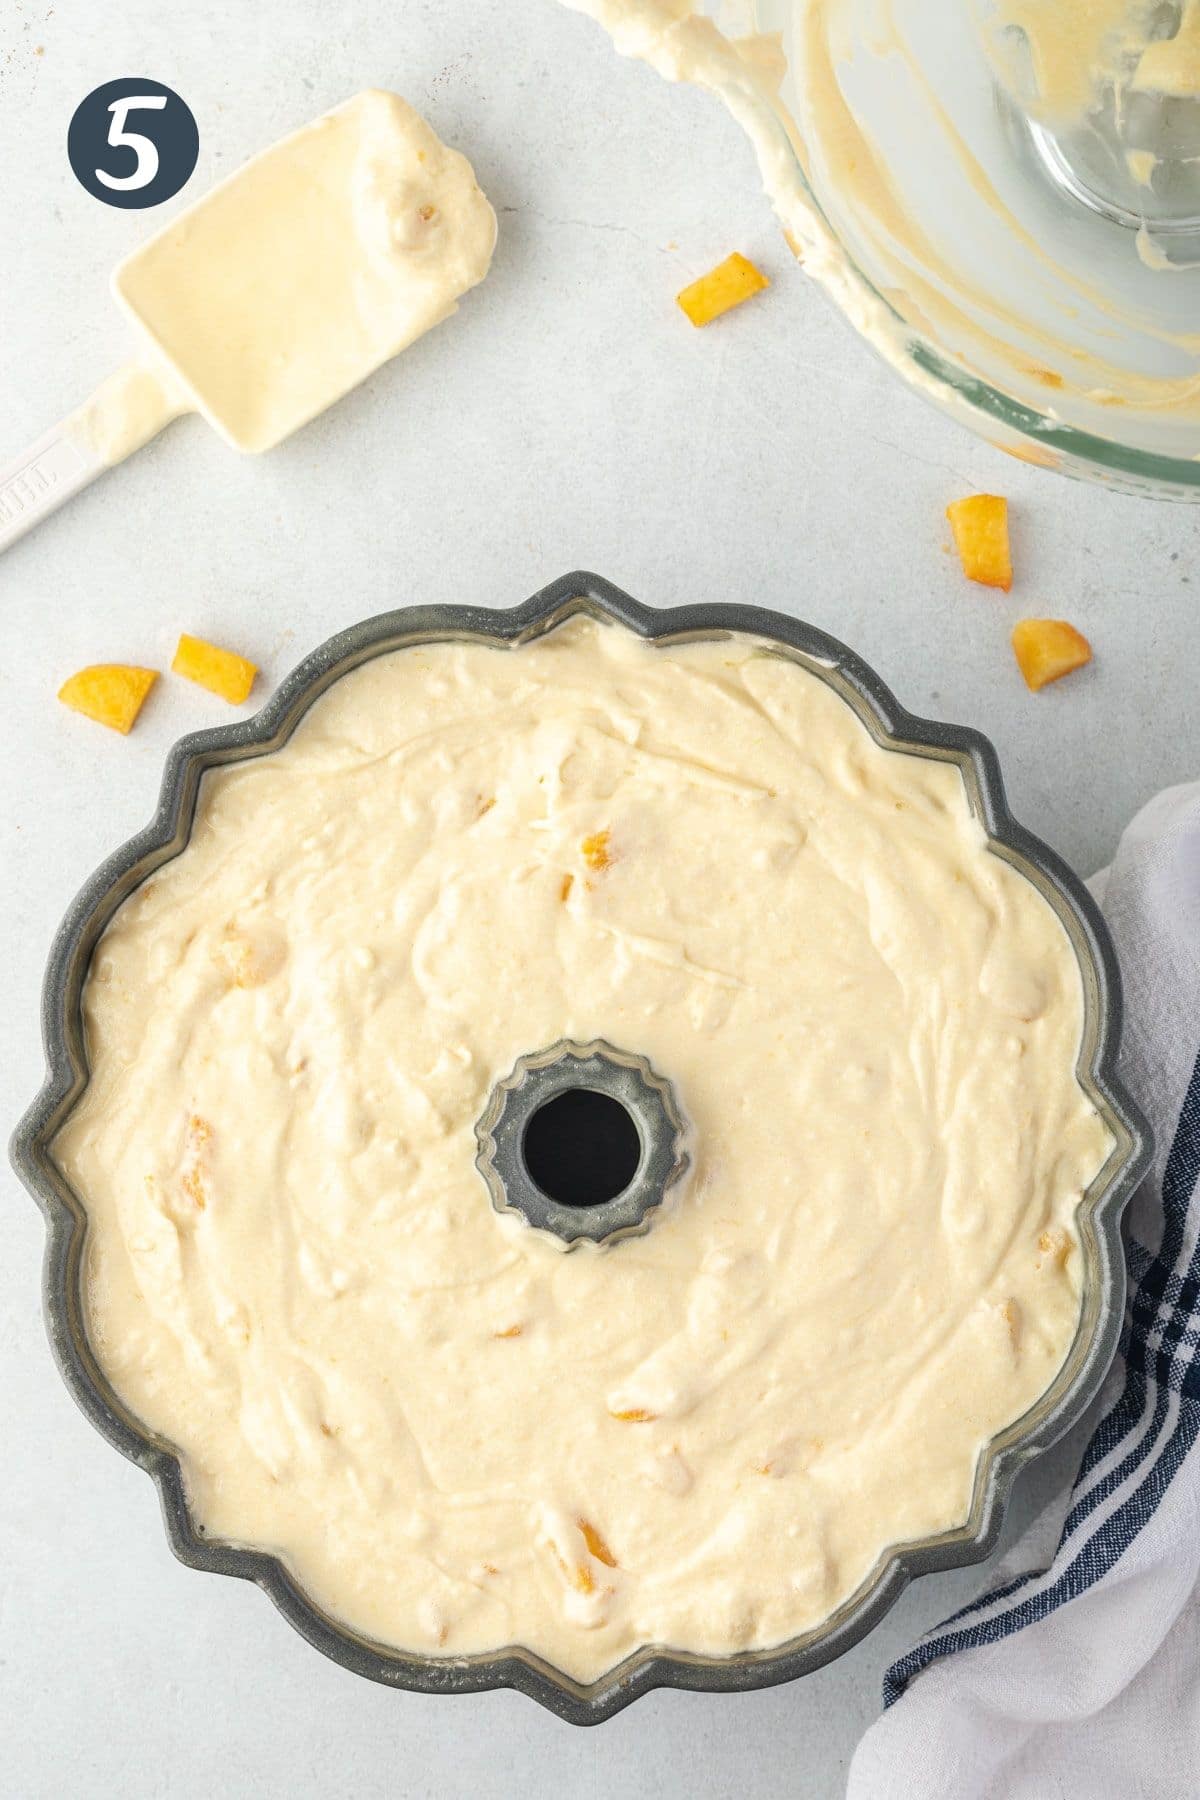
(1162, 1373)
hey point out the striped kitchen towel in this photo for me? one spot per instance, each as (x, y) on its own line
(1081, 1680)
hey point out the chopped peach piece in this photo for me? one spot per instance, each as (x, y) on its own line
(723, 288)
(579, 1574)
(110, 693)
(635, 1415)
(224, 672)
(595, 850)
(192, 1177)
(250, 959)
(1048, 649)
(596, 1544)
(1055, 1245)
(980, 525)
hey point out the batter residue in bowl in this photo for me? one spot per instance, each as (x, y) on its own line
(919, 203)
(456, 1434)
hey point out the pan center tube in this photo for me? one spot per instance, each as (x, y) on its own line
(582, 1141)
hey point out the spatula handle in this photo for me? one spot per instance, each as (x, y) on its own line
(124, 413)
(41, 479)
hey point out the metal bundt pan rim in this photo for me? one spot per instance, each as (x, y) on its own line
(1100, 1212)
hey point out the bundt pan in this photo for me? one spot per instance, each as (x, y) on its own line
(1099, 1214)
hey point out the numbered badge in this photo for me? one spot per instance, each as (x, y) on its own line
(133, 142)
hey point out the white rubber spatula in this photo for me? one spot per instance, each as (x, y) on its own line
(33, 484)
(274, 295)
(119, 418)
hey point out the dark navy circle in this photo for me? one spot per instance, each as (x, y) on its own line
(133, 142)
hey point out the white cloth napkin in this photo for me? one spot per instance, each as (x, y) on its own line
(1082, 1681)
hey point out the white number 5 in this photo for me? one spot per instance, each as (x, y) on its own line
(143, 148)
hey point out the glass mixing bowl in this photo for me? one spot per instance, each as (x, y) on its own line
(1002, 195)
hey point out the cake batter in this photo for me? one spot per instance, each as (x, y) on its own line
(455, 1433)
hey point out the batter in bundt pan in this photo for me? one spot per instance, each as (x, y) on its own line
(457, 1432)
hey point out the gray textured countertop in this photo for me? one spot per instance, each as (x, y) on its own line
(569, 416)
